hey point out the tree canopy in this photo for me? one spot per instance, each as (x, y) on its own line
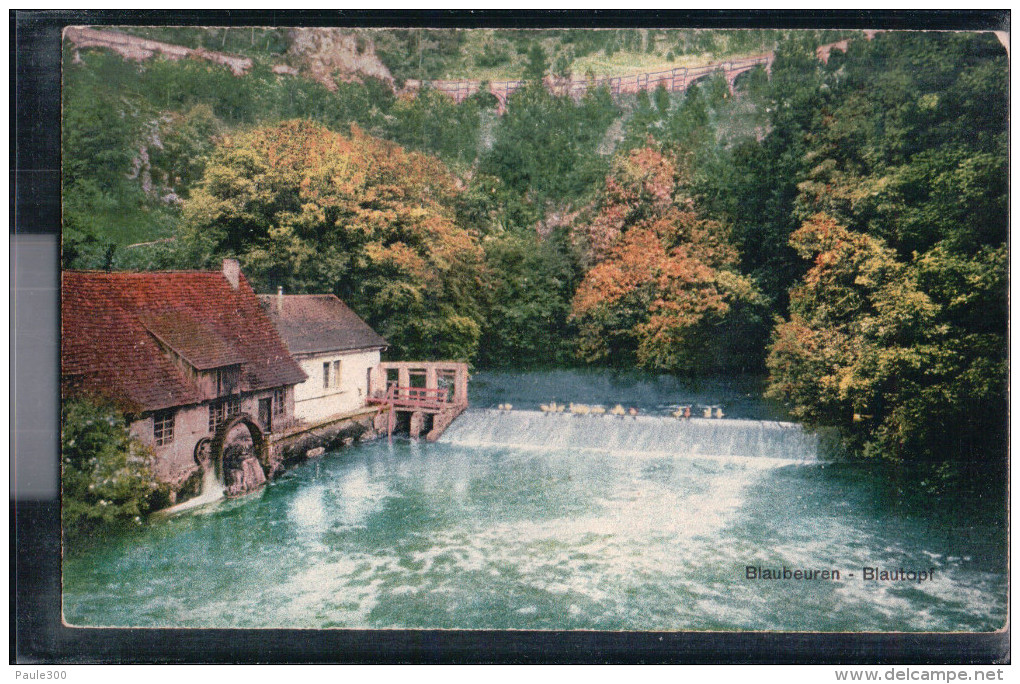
(311, 210)
(663, 290)
(106, 477)
(897, 330)
(892, 352)
(840, 225)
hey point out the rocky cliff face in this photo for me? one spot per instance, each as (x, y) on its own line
(323, 54)
(330, 54)
(140, 49)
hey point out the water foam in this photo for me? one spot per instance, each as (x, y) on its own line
(212, 491)
(697, 437)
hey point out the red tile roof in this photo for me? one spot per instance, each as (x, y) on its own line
(319, 323)
(197, 343)
(110, 323)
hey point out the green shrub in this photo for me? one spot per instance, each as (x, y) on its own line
(106, 475)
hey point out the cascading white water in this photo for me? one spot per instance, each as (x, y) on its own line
(212, 490)
(648, 434)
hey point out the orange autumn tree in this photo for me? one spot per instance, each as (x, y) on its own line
(312, 210)
(663, 288)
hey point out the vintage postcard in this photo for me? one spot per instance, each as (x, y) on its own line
(673, 330)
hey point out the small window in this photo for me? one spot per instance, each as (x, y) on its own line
(325, 375)
(227, 380)
(163, 427)
(222, 411)
(279, 401)
(336, 373)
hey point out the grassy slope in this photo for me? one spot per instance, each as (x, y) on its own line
(606, 52)
(625, 60)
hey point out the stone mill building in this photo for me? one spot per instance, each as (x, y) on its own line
(229, 387)
(187, 355)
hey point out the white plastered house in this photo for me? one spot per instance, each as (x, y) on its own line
(335, 348)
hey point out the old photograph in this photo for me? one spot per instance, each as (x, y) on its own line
(620, 329)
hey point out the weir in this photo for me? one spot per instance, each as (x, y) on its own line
(647, 434)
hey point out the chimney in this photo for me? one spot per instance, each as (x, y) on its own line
(232, 272)
(279, 299)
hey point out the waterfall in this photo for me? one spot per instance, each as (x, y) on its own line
(706, 437)
(212, 490)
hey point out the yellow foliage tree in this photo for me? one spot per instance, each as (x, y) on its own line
(315, 211)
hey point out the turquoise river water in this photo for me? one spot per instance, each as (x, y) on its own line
(523, 520)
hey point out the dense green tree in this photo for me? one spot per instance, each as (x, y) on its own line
(545, 147)
(912, 147)
(432, 122)
(892, 353)
(530, 286)
(183, 141)
(897, 332)
(538, 64)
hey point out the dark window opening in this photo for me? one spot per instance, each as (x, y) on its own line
(227, 380)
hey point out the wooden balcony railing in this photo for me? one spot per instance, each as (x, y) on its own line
(414, 398)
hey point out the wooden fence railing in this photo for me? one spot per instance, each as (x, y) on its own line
(414, 398)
